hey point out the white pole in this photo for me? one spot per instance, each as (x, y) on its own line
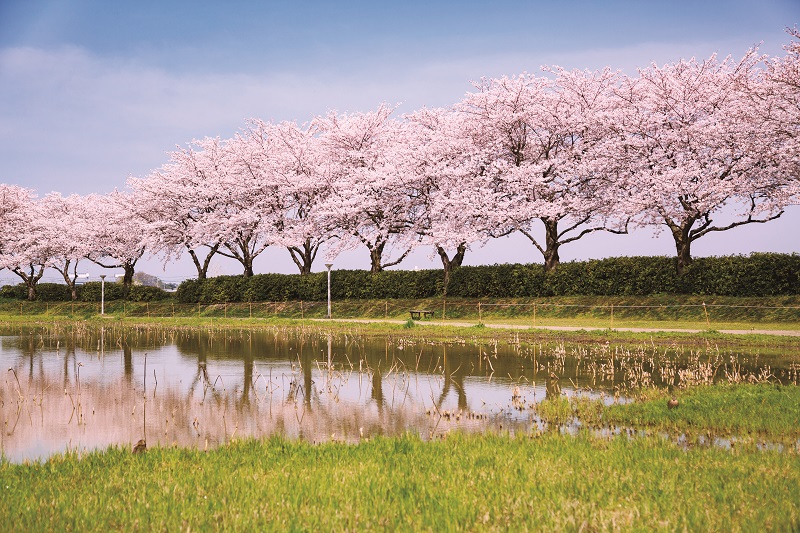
(329, 265)
(102, 294)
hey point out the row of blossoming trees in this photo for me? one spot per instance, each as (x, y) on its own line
(561, 155)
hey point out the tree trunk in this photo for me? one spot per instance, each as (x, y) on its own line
(683, 244)
(30, 278)
(304, 258)
(202, 268)
(248, 267)
(244, 250)
(683, 249)
(551, 259)
(127, 278)
(69, 279)
(375, 256)
(449, 264)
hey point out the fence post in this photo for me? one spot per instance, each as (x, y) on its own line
(708, 322)
(480, 316)
(251, 309)
(225, 310)
(386, 309)
(534, 314)
(302, 313)
(173, 310)
(444, 308)
(147, 304)
(612, 316)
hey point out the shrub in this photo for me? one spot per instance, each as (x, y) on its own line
(16, 292)
(759, 274)
(53, 292)
(142, 293)
(91, 291)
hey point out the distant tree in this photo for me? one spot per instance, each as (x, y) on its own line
(147, 280)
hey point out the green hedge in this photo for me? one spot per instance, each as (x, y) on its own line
(88, 292)
(761, 274)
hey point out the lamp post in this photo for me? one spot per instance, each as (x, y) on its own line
(102, 294)
(329, 265)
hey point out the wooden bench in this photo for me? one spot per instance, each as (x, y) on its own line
(417, 314)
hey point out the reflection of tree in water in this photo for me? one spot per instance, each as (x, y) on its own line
(127, 362)
(377, 385)
(306, 359)
(249, 363)
(453, 379)
(301, 384)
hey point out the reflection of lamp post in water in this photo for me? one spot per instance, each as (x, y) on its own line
(102, 294)
(329, 265)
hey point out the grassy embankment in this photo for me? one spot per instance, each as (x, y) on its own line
(663, 311)
(492, 482)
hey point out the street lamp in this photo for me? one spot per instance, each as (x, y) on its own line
(102, 294)
(329, 265)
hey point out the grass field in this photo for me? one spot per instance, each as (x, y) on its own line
(667, 477)
(539, 481)
(664, 311)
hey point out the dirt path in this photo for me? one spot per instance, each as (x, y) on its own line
(779, 332)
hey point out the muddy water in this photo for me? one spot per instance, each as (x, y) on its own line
(80, 388)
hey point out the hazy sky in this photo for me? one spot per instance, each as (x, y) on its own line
(92, 92)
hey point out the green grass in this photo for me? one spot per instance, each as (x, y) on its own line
(766, 410)
(491, 482)
(664, 311)
(745, 411)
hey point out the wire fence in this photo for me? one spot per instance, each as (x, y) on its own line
(533, 312)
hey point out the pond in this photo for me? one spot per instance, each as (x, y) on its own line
(80, 388)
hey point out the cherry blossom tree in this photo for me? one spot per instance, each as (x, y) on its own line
(542, 139)
(371, 196)
(62, 237)
(782, 91)
(694, 149)
(19, 248)
(252, 204)
(115, 236)
(176, 200)
(457, 198)
(300, 176)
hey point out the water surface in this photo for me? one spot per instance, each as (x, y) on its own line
(80, 388)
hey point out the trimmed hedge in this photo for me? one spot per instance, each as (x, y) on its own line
(759, 274)
(88, 292)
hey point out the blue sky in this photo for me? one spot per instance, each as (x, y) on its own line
(92, 92)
